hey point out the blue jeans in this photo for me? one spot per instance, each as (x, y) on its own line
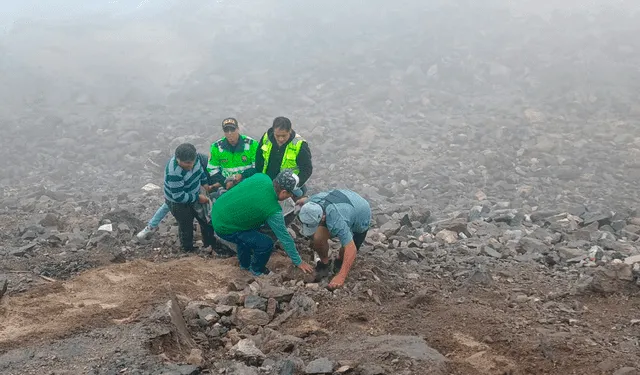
(254, 249)
(159, 215)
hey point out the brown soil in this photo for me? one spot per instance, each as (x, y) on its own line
(481, 330)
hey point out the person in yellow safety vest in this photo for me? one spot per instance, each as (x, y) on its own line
(281, 148)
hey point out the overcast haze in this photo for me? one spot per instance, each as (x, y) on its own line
(428, 89)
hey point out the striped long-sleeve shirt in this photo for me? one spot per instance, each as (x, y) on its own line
(182, 186)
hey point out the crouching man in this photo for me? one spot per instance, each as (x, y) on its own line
(184, 176)
(239, 213)
(337, 213)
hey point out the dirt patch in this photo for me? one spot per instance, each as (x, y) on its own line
(104, 296)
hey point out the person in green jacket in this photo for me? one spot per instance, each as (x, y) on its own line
(232, 157)
(240, 212)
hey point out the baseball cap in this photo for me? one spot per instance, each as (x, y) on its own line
(287, 180)
(230, 122)
(310, 216)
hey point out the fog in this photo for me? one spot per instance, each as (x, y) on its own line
(406, 101)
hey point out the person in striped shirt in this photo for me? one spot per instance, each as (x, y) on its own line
(232, 160)
(184, 177)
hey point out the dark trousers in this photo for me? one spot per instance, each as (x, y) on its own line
(184, 214)
(254, 249)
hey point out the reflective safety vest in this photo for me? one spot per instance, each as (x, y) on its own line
(229, 163)
(290, 153)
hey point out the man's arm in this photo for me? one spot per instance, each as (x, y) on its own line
(174, 188)
(304, 163)
(259, 158)
(348, 258)
(213, 167)
(277, 225)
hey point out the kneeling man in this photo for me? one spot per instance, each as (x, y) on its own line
(337, 213)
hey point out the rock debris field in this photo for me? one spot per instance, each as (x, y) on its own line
(497, 144)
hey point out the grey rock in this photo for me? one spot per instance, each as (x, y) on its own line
(627, 371)
(247, 351)
(209, 315)
(480, 276)
(304, 304)
(319, 366)
(488, 250)
(224, 309)
(408, 254)
(255, 302)
(249, 317)
(542, 215)
(371, 369)
(528, 245)
(569, 253)
(475, 213)
(593, 217)
(173, 369)
(405, 221)
(280, 294)
(447, 236)
(242, 369)
(390, 228)
(22, 251)
(49, 220)
(230, 299)
(237, 285)
(192, 310)
(287, 368)
(618, 224)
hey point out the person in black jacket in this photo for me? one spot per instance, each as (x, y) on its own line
(281, 148)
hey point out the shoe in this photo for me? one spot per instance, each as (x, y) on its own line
(146, 232)
(322, 270)
(223, 251)
(193, 249)
(265, 271)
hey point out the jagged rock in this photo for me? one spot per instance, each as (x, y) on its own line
(49, 220)
(249, 317)
(570, 253)
(224, 309)
(390, 228)
(247, 351)
(195, 357)
(458, 225)
(173, 369)
(528, 245)
(371, 369)
(600, 218)
(627, 371)
(319, 366)
(237, 285)
(280, 294)
(275, 342)
(24, 250)
(488, 250)
(409, 254)
(447, 236)
(542, 215)
(480, 276)
(304, 305)
(405, 221)
(230, 299)
(192, 310)
(255, 302)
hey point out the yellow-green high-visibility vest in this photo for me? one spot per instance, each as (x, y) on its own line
(290, 153)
